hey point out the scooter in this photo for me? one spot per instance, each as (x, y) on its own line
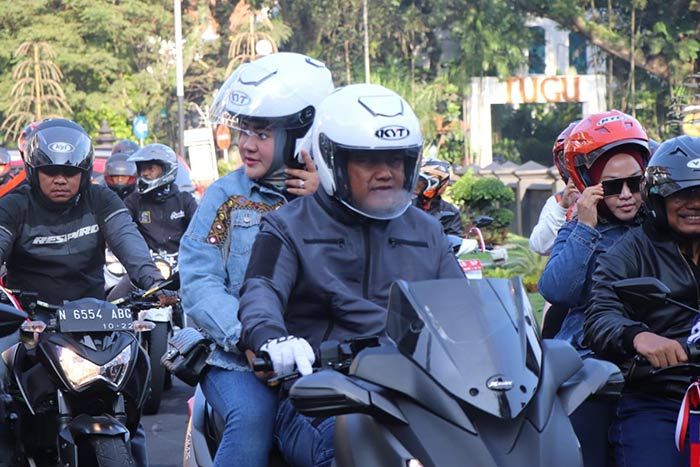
(462, 375)
(77, 380)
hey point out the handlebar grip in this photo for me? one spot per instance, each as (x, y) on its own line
(262, 363)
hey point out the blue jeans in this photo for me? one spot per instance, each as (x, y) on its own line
(643, 432)
(248, 408)
(304, 441)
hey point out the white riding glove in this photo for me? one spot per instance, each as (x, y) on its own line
(286, 352)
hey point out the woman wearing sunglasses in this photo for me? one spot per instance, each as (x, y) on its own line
(606, 154)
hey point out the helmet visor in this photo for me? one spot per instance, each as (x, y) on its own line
(377, 183)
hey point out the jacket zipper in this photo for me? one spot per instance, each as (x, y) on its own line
(394, 242)
(365, 279)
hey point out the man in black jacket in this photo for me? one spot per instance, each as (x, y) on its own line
(161, 211)
(53, 230)
(667, 247)
(321, 267)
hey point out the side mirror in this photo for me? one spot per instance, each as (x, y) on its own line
(10, 319)
(483, 221)
(640, 290)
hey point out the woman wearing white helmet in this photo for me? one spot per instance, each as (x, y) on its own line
(270, 104)
(321, 268)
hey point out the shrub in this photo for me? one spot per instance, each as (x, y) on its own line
(485, 196)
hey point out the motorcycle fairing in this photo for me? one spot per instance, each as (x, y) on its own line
(110, 346)
(438, 324)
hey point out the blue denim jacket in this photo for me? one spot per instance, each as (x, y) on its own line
(566, 280)
(214, 254)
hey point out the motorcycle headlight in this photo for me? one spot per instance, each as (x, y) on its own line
(80, 371)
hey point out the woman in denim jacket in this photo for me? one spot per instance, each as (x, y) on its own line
(606, 154)
(270, 103)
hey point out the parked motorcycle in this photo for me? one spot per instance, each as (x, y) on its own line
(463, 375)
(78, 380)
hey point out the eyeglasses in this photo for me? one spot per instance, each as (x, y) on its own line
(65, 170)
(614, 187)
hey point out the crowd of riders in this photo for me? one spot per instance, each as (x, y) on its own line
(300, 245)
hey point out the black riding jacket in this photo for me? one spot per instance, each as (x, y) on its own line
(162, 216)
(611, 325)
(321, 272)
(59, 251)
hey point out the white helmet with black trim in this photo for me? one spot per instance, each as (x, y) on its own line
(281, 92)
(373, 124)
(159, 154)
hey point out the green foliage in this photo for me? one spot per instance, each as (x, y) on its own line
(507, 149)
(485, 196)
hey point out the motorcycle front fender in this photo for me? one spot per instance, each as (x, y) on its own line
(84, 426)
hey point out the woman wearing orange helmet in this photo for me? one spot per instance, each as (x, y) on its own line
(606, 154)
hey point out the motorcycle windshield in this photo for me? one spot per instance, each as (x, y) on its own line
(477, 339)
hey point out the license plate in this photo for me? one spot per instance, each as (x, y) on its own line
(92, 315)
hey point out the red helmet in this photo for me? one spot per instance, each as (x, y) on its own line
(558, 151)
(597, 134)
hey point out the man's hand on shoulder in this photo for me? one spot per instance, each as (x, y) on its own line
(660, 351)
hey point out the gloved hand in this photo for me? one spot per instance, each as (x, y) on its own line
(167, 297)
(286, 352)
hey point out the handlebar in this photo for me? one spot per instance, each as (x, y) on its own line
(332, 355)
(641, 367)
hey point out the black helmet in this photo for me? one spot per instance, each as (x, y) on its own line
(674, 166)
(58, 142)
(125, 146)
(119, 165)
(160, 154)
(5, 160)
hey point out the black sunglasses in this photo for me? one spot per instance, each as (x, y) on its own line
(614, 187)
(55, 170)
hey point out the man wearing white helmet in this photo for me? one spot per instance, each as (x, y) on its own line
(270, 105)
(321, 268)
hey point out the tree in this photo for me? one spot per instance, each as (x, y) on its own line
(250, 27)
(37, 93)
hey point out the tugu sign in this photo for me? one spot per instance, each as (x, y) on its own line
(543, 89)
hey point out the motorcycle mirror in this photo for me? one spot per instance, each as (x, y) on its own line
(640, 290)
(483, 221)
(10, 319)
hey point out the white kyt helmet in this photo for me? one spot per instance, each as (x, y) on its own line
(371, 121)
(280, 91)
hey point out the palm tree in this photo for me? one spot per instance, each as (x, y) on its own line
(37, 93)
(249, 27)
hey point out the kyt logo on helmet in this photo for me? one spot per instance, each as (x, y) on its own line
(239, 98)
(61, 147)
(392, 133)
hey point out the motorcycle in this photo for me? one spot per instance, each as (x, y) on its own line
(166, 320)
(77, 380)
(462, 375)
(113, 271)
